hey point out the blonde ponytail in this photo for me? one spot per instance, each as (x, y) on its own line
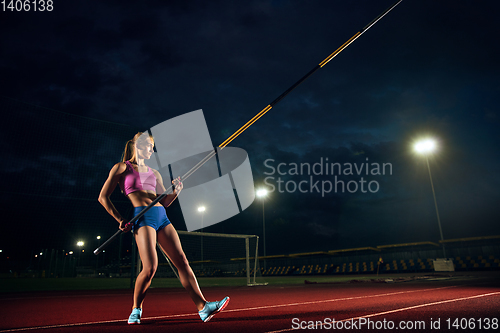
(129, 151)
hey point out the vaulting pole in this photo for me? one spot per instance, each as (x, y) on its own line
(253, 120)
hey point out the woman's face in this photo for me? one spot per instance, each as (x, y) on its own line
(145, 149)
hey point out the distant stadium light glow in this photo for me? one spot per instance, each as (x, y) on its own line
(425, 146)
(261, 193)
(80, 243)
(201, 209)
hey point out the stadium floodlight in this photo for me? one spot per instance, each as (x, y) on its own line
(261, 192)
(426, 147)
(80, 243)
(201, 209)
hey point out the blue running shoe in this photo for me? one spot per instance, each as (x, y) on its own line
(135, 316)
(211, 308)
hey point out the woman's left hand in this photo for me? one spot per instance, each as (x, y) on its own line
(178, 185)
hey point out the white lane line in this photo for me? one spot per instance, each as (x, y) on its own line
(62, 325)
(337, 299)
(228, 310)
(404, 309)
(62, 296)
(91, 323)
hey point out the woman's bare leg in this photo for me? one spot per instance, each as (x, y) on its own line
(171, 244)
(145, 237)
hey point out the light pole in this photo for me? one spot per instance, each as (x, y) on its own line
(97, 257)
(426, 147)
(262, 193)
(80, 244)
(201, 209)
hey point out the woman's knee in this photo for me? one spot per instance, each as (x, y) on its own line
(181, 261)
(149, 271)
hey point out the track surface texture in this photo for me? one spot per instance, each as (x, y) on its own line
(438, 303)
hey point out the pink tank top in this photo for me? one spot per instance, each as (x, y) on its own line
(133, 180)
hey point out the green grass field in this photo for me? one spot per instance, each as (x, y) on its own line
(8, 285)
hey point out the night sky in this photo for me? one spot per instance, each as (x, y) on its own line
(429, 68)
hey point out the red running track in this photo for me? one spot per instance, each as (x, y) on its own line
(457, 304)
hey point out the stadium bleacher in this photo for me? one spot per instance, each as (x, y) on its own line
(396, 266)
(368, 260)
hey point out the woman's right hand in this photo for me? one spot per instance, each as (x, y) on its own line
(125, 226)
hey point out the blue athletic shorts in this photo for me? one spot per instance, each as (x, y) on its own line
(155, 217)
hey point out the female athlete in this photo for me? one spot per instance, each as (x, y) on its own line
(141, 184)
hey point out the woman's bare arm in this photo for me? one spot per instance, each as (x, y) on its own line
(108, 188)
(167, 201)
